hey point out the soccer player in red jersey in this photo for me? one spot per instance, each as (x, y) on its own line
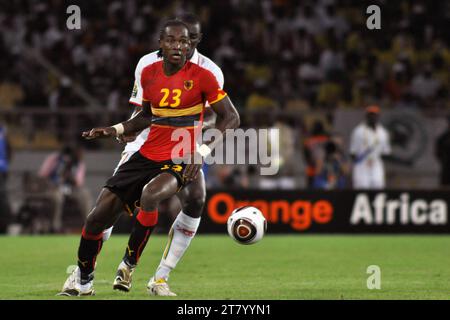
(173, 206)
(174, 94)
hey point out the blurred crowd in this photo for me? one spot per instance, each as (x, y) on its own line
(55, 192)
(275, 54)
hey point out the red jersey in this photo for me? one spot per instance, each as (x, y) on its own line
(177, 101)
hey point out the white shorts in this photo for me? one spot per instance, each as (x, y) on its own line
(368, 178)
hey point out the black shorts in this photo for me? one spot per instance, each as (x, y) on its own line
(131, 177)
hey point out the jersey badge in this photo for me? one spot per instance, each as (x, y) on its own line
(188, 84)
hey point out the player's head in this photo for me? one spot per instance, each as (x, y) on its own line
(372, 115)
(174, 42)
(195, 30)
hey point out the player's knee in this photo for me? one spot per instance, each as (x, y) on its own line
(150, 197)
(193, 205)
(93, 224)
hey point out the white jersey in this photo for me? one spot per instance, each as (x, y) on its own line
(136, 96)
(368, 146)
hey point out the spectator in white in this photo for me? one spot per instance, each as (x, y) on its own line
(425, 85)
(369, 144)
(331, 59)
(306, 18)
(65, 172)
(330, 20)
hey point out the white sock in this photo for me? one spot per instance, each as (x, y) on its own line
(183, 230)
(107, 233)
(123, 264)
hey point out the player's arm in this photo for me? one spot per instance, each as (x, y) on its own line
(139, 122)
(137, 94)
(209, 118)
(227, 118)
(132, 136)
(221, 107)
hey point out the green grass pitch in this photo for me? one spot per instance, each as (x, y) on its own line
(215, 267)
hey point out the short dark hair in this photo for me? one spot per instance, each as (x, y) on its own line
(190, 18)
(169, 23)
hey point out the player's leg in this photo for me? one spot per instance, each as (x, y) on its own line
(184, 228)
(106, 210)
(125, 157)
(168, 210)
(107, 233)
(158, 189)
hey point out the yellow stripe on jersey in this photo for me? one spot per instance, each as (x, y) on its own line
(220, 96)
(175, 112)
(172, 127)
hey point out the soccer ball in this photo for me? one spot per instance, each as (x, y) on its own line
(246, 225)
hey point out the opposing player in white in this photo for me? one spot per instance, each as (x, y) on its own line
(184, 227)
(368, 145)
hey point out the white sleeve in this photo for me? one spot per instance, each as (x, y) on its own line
(354, 142)
(208, 64)
(136, 95)
(386, 147)
(217, 72)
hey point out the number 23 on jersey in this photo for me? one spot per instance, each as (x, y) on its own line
(170, 99)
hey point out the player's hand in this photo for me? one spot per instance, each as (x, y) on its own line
(126, 138)
(99, 133)
(194, 165)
